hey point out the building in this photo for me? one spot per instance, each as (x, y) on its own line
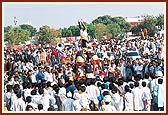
(134, 20)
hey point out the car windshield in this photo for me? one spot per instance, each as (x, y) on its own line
(132, 54)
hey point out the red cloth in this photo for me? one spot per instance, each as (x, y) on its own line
(146, 102)
(54, 51)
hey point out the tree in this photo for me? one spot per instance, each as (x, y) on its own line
(106, 19)
(113, 29)
(29, 28)
(74, 30)
(16, 35)
(101, 30)
(6, 29)
(123, 24)
(160, 21)
(135, 30)
(91, 30)
(66, 32)
(47, 34)
(150, 24)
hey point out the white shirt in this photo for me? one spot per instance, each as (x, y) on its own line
(19, 105)
(48, 76)
(76, 105)
(45, 102)
(128, 101)
(67, 104)
(137, 96)
(116, 99)
(27, 92)
(123, 72)
(93, 92)
(146, 93)
(108, 108)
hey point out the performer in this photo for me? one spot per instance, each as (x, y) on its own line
(83, 33)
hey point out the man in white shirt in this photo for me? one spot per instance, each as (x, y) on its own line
(48, 75)
(68, 103)
(146, 96)
(128, 98)
(108, 104)
(93, 92)
(19, 104)
(137, 98)
(76, 104)
(159, 95)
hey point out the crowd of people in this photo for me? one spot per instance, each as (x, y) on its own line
(84, 77)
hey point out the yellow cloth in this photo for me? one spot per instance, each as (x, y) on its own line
(84, 37)
(5, 109)
(150, 78)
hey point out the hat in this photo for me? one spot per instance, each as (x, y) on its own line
(107, 98)
(69, 94)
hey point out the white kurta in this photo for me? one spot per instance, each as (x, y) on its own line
(92, 92)
(48, 76)
(108, 108)
(159, 93)
(116, 98)
(76, 105)
(137, 99)
(67, 104)
(19, 105)
(146, 96)
(129, 101)
(45, 102)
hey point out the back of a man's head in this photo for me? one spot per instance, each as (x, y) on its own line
(160, 81)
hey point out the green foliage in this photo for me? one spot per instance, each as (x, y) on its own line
(124, 26)
(160, 21)
(135, 30)
(99, 27)
(150, 23)
(107, 19)
(47, 34)
(66, 32)
(114, 26)
(6, 29)
(91, 30)
(113, 29)
(101, 30)
(16, 35)
(74, 30)
(29, 28)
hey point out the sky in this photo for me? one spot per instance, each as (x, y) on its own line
(59, 15)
